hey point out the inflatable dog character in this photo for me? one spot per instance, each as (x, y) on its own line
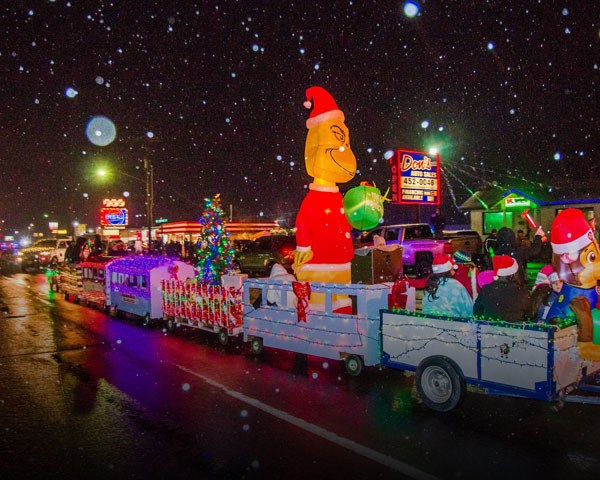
(577, 260)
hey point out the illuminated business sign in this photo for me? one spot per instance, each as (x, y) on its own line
(514, 202)
(113, 203)
(52, 226)
(112, 217)
(415, 178)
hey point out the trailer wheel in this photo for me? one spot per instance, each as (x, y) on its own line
(223, 337)
(354, 365)
(439, 383)
(256, 345)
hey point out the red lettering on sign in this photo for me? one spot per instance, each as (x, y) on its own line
(409, 163)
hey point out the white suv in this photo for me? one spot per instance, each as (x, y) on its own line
(46, 252)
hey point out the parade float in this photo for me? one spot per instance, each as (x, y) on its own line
(322, 313)
(134, 284)
(93, 282)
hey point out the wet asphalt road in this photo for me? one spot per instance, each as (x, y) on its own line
(83, 394)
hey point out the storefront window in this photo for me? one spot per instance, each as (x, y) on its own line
(493, 220)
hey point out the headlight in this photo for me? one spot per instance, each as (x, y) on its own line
(20, 254)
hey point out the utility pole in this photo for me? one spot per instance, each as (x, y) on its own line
(149, 196)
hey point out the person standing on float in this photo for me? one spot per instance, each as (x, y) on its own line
(324, 245)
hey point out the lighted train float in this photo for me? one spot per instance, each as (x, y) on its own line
(522, 360)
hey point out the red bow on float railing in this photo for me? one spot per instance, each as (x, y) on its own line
(173, 271)
(399, 295)
(302, 292)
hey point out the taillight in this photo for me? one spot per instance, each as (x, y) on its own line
(448, 248)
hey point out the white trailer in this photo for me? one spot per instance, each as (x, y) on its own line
(515, 359)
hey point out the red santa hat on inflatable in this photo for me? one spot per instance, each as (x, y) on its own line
(570, 232)
(443, 263)
(504, 265)
(323, 106)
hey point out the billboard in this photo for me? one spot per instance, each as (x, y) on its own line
(113, 203)
(112, 217)
(415, 178)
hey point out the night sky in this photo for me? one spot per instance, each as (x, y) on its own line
(212, 93)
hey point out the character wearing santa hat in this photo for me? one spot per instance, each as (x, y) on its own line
(504, 299)
(445, 296)
(577, 260)
(324, 246)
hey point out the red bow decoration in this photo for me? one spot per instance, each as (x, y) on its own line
(173, 271)
(302, 292)
(399, 295)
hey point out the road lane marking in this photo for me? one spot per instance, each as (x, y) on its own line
(351, 445)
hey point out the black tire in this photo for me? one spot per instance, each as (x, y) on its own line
(223, 337)
(256, 345)
(354, 365)
(440, 383)
(423, 269)
(24, 268)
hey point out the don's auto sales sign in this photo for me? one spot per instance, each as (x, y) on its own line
(415, 178)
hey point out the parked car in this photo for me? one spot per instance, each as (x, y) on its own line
(46, 252)
(468, 240)
(259, 256)
(418, 245)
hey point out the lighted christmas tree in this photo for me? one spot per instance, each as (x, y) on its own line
(215, 252)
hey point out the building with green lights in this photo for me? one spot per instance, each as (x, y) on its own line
(497, 207)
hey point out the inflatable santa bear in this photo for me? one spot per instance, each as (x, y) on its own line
(324, 246)
(577, 260)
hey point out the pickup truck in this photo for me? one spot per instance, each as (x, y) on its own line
(418, 245)
(468, 240)
(46, 252)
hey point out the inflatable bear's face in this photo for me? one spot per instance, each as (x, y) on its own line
(589, 257)
(328, 154)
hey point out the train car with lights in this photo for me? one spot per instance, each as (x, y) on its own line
(133, 284)
(527, 360)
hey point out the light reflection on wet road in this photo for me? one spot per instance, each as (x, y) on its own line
(84, 394)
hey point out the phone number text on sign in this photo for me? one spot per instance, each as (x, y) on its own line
(408, 182)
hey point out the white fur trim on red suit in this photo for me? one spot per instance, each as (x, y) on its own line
(320, 307)
(573, 245)
(324, 188)
(330, 115)
(303, 249)
(325, 267)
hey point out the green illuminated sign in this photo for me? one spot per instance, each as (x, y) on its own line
(161, 220)
(514, 202)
